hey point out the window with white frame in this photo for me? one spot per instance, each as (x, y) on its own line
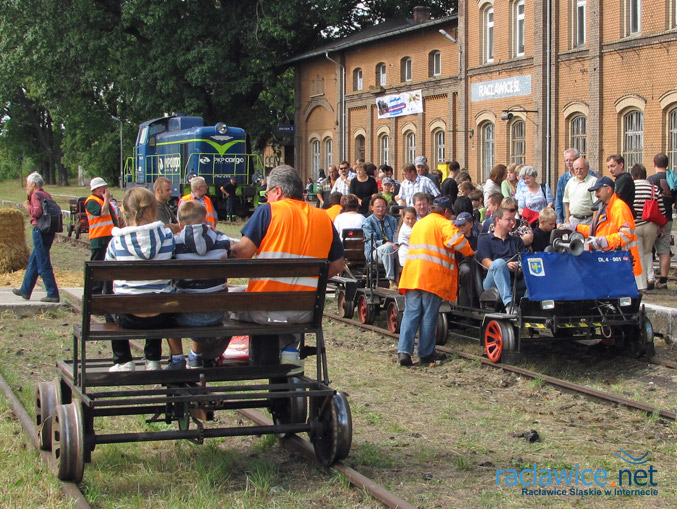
(410, 145)
(384, 149)
(672, 140)
(405, 69)
(329, 152)
(435, 63)
(519, 28)
(359, 147)
(578, 129)
(440, 149)
(381, 74)
(357, 80)
(518, 142)
(634, 16)
(674, 13)
(633, 138)
(487, 153)
(316, 157)
(489, 35)
(579, 23)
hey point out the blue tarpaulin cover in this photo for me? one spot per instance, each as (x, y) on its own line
(592, 275)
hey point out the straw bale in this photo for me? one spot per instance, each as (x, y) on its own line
(13, 250)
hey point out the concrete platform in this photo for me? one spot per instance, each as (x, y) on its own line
(11, 302)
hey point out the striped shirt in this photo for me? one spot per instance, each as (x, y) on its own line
(642, 194)
(201, 242)
(342, 186)
(421, 185)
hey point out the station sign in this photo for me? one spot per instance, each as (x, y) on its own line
(499, 89)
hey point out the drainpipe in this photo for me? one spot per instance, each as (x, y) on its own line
(343, 105)
(548, 91)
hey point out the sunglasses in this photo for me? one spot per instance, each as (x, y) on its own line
(511, 210)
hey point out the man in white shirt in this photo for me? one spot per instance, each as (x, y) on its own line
(577, 200)
(413, 183)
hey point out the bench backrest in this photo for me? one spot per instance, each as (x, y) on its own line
(97, 271)
(353, 245)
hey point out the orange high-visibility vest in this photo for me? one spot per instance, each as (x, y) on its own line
(211, 215)
(431, 261)
(100, 226)
(334, 211)
(296, 230)
(617, 224)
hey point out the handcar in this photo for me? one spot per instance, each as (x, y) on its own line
(571, 294)
(78, 218)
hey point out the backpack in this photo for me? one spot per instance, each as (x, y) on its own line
(671, 178)
(51, 220)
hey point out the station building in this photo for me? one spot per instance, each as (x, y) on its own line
(497, 82)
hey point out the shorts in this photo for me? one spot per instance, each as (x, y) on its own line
(662, 244)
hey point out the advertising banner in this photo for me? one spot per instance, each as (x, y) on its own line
(396, 105)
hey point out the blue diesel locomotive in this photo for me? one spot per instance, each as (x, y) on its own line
(180, 147)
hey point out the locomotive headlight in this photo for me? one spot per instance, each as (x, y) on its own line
(547, 304)
(625, 301)
(221, 128)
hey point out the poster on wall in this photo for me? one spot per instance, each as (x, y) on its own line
(396, 105)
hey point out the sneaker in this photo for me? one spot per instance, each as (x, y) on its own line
(126, 366)
(404, 359)
(49, 299)
(176, 365)
(153, 365)
(650, 285)
(195, 363)
(434, 357)
(661, 286)
(19, 293)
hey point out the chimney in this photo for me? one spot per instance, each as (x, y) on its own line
(421, 14)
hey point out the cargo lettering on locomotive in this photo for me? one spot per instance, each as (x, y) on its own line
(181, 147)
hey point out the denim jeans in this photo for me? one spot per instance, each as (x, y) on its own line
(385, 254)
(420, 313)
(40, 264)
(499, 277)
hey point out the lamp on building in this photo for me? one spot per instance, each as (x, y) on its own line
(508, 114)
(460, 50)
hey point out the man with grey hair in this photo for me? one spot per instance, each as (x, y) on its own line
(39, 263)
(198, 191)
(570, 155)
(578, 200)
(286, 226)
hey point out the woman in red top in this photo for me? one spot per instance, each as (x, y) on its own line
(39, 263)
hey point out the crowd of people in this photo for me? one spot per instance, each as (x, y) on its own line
(440, 216)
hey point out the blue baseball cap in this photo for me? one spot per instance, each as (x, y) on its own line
(602, 181)
(462, 218)
(443, 202)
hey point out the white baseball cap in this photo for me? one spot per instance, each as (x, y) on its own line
(96, 183)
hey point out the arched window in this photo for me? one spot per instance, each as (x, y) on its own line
(672, 139)
(405, 69)
(488, 32)
(381, 74)
(578, 129)
(328, 152)
(410, 147)
(384, 149)
(518, 142)
(315, 154)
(359, 147)
(440, 149)
(357, 80)
(633, 138)
(487, 153)
(434, 64)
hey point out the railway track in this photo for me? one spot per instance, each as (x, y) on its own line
(556, 382)
(292, 443)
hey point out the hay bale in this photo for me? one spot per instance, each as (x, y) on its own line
(13, 250)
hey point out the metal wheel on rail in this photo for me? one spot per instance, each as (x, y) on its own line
(69, 230)
(68, 441)
(333, 429)
(47, 398)
(441, 329)
(292, 410)
(393, 317)
(639, 339)
(499, 337)
(366, 312)
(345, 308)
(78, 232)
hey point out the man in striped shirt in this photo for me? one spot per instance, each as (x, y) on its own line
(413, 183)
(342, 184)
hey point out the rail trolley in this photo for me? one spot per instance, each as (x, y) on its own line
(85, 391)
(571, 295)
(180, 147)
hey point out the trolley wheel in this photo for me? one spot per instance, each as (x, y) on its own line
(393, 317)
(345, 308)
(46, 400)
(441, 329)
(78, 231)
(646, 337)
(70, 229)
(68, 441)
(333, 433)
(366, 312)
(499, 337)
(292, 410)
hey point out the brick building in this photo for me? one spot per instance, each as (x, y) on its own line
(492, 92)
